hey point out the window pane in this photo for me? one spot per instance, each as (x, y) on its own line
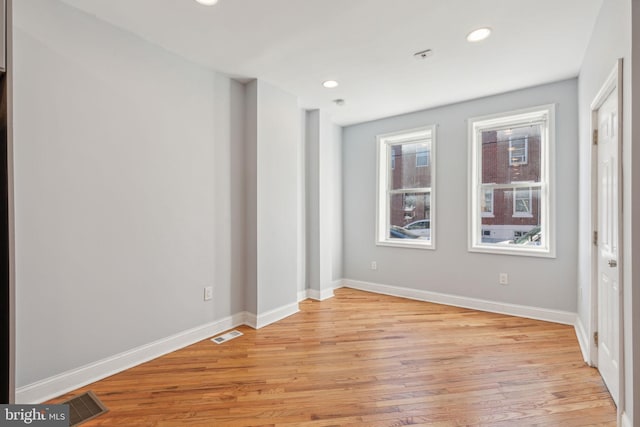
(516, 218)
(511, 155)
(410, 216)
(411, 167)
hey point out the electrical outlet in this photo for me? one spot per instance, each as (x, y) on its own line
(208, 293)
(504, 279)
(374, 265)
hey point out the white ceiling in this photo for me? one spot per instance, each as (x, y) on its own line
(368, 45)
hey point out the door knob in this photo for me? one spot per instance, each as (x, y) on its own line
(613, 263)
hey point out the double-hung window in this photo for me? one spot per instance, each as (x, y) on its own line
(511, 182)
(406, 188)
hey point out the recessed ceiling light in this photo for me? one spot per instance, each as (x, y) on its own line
(330, 84)
(479, 34)
(207, 2)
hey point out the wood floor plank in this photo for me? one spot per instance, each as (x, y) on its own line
(361, 359)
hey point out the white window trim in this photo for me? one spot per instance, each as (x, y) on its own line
(383, 148)
(547, 176)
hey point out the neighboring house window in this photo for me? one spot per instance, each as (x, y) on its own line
(522, 201)
(406, 190)
(511, 182)
(518, 150)
(422, 157)
(487, 203)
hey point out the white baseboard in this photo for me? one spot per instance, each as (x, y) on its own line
(320, 295)
(625, 421)
(555, 316)
(64, 382)
(583, 340)
(57, 385)
(265, 319)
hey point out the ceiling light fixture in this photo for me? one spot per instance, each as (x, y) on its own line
(330, 84)
(479, 34)
(207, 2)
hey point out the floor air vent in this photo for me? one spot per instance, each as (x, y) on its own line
(226, 337)
(84, 407)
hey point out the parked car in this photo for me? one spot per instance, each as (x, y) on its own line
(530, 238)
(421, 228)
(398, 232)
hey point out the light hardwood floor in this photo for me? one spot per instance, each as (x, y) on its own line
(361, 359)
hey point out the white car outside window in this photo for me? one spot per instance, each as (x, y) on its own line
(421, 228)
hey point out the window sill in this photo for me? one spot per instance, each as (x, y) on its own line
(522, 216)
(529, 251)
(425, 244)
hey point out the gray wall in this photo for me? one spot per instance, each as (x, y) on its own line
(312, 199)
(278, 198)
(250, 195)
(122, 158)
(228, 187)
(323, 173)
(336, 204)
(632, 235)
(611, 39)
(451, 269)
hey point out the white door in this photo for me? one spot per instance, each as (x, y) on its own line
(608, 271)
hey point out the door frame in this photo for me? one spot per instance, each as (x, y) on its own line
(612, 82)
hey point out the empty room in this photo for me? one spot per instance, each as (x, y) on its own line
(320, 213)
